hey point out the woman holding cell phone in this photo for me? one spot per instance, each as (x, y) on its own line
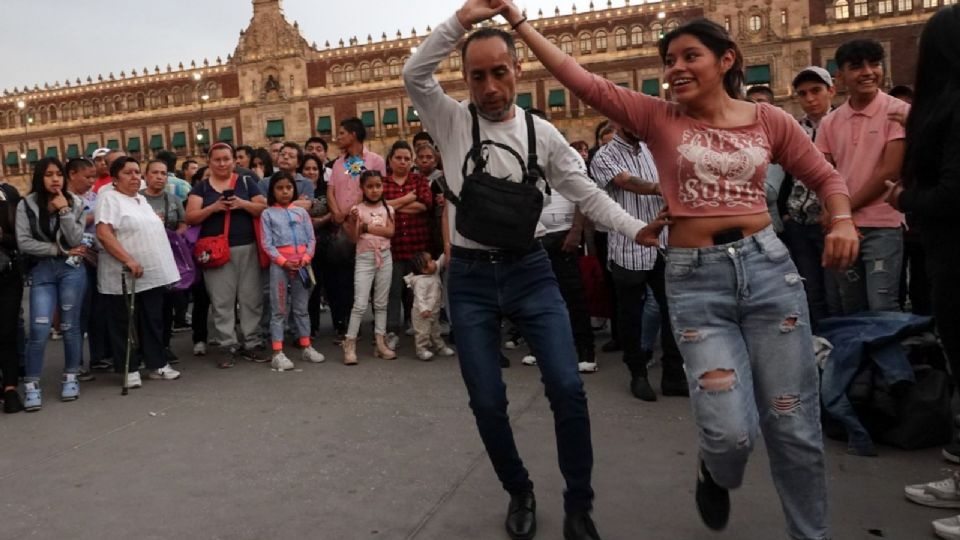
(208, 205)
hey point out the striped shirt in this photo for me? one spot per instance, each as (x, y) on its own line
(610, 160)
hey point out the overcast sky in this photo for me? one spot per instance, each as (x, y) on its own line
(53, 40)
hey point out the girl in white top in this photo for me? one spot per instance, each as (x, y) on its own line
(136, 250)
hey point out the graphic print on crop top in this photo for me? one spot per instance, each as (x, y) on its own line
(721, 168)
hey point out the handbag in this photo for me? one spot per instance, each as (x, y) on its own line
(495, 211)
(214, 251)
(182, 255)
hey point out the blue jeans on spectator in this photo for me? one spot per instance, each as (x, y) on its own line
(524, 290)
(739, 310)
(55, 285)
(806, 247)
(873, 282)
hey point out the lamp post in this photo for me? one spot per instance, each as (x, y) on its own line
(200, 125)
(26, 119)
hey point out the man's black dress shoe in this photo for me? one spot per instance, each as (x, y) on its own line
(522, 516)
(579, 526)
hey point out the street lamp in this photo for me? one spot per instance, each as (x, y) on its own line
(200, 125)
(25, 118)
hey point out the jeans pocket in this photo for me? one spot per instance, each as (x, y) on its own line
(776, 251)
(679, 270)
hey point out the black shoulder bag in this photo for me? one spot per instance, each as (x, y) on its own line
(495, 211)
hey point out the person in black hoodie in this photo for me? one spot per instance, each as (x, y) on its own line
(11, 295)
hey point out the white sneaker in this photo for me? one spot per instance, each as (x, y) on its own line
(529, 360)
(445, 351)
(166, 373)
(941, 494)
(280, 362)
(133, 380)
(393, 341)
(199, 349)
(312, 355)
(424, 355)
(587, 367)
(948, 528)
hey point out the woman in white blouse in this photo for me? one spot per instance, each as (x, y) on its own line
(136, 249)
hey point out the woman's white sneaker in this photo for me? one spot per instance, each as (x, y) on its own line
(941, 494)
(947, 528)
(166, 373)
(133, 380)
(280, 362)
(199, 349)
(312, 355)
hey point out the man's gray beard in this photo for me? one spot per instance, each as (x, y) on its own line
(499, 115)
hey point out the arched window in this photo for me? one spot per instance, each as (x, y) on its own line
(393, 67)
(566, 44)
(601, 39)
(636, 36)
(620, 38)
(87, 109)
(455, 61)
(154, 100)
(377, 70)
(177, 97)
(108, 106)
(755, 24)
(164, 99)
(841, 9)
(336, 74)
(672, 25)
(586, 43)
(364, 72)
(552, 40)
(52, 112)
(656, 31)
(860, 8)
(521, 51)
(189, 94)
(213, 90)
(3, 121)
(74, 111)
(141, 102)
(43, 115)
(885, 7)
(349, 73)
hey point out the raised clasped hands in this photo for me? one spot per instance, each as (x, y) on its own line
(474, 11)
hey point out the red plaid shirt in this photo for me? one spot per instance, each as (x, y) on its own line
(412, 232)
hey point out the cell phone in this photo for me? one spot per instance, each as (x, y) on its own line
(727, 236)
(228, 193)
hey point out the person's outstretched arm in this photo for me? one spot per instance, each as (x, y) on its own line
(436, 109)
(622, 105)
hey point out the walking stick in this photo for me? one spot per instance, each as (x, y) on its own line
(131, 331)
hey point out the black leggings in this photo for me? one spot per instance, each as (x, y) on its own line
(11, 295)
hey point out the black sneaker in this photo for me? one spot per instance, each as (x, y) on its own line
(713, 501)
(253, 355)
(641, 389)
(11, 402)
(951, 452)
(101, 365)
(85, 375)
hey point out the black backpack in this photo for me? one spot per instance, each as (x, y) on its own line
(495, 211)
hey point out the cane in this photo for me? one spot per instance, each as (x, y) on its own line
(131, 302)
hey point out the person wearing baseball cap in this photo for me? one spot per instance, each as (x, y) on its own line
(803, 234)
(99, 157)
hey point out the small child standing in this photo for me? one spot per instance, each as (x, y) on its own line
(427, 301)
(289, 241)
(370, 224)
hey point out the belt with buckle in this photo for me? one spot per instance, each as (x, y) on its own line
(493, 255)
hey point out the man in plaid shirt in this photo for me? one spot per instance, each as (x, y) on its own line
(410, 196)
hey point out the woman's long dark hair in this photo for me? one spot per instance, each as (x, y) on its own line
(936, 100)
(264, 156)
(43, 197)
(714, 37)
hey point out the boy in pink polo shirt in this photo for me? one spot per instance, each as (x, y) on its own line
(867, 148)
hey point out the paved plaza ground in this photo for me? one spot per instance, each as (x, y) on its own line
(383, 450)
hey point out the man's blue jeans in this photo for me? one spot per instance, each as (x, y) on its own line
(525, 291)
(55, 284)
